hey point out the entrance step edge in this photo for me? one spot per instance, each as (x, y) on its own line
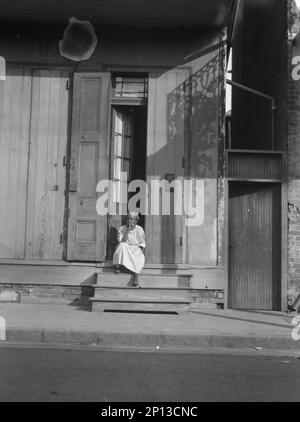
(145, 280)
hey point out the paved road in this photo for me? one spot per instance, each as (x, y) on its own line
(40, 374)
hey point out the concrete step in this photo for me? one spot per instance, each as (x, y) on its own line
(145, 280)
(140, 294)
(139, 306)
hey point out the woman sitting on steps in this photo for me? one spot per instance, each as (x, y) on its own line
(130, 251)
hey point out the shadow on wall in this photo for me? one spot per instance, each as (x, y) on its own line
(189, 123)
(195, 101)
(192, 122)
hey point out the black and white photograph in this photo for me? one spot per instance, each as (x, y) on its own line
(149, 204)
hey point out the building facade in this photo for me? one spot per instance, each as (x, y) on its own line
(149, 101)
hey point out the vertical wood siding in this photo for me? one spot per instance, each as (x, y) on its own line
(47, 175)
(15, 97)
(33, 142)
(254, 246)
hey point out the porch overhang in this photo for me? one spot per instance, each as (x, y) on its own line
(145, 13)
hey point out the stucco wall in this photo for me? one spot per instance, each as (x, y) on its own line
(207, 151)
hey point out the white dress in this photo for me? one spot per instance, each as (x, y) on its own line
(129, 253)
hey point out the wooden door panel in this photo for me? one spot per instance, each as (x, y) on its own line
(89, 164)
(33, 143)
(15, 98)
(47, 172)
(254, 246)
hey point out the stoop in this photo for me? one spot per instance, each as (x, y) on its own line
(157, 292)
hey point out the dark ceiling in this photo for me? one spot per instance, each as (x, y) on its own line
(148, 13)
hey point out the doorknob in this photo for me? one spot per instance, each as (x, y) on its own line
(232, 246)
(55, 188)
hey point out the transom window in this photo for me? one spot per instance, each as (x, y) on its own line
(135, 87)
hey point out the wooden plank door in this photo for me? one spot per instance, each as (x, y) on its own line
(254, 246)
(89, 164)
(47, 171)
(166, 143)
(15, 101)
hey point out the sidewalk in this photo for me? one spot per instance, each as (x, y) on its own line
(26, 323)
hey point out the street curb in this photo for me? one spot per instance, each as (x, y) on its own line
(154, 340)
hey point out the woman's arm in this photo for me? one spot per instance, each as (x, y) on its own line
(125, 237)
(122, 234)
(142, 243)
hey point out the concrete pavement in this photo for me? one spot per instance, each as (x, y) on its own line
(57, 324)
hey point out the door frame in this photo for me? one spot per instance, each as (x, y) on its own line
(114, 103)
(284, 232)
(149, 71)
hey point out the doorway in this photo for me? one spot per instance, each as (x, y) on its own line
(128, 154)
(254, 246)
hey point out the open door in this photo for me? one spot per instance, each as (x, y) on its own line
(128, 155)
(88, 165)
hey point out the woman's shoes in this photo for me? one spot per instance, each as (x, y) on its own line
(117, 269)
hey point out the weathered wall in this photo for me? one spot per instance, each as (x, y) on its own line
(185, 108)
(207, 155)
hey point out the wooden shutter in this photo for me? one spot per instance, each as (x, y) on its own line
(47, 172)
(88, 165)
(15, 98)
